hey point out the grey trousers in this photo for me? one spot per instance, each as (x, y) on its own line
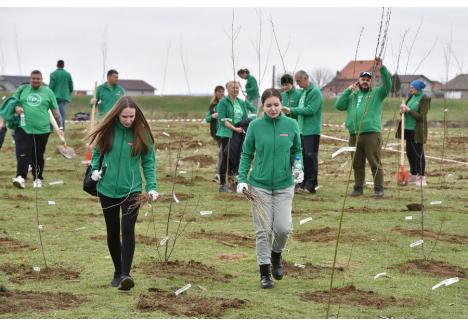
(272, 220)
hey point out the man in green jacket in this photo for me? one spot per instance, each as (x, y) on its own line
(251, 87)
(61, 84)
(107, 94)
(308, 113)
(290, 95)
(363, 106)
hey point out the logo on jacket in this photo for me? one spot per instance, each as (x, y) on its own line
(34, 100)
(284, 135)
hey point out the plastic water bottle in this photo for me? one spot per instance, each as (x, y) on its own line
(297, 163)
(22, 120)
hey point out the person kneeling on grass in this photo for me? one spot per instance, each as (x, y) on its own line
(275, 142)
(125, 143)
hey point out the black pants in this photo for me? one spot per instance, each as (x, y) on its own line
(121, 252)
(415, 153)
(30, 150)
(2, 135)
(224, 161)
(310, 148)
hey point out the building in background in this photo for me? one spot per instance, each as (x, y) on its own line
(457, 88)
(137, 87)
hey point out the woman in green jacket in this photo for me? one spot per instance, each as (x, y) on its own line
(274, 140)
(212, 119)
(415, 110)
(123, 143)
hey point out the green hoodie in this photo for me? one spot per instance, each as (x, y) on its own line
(309, 114)
(413, 104)
(275, 143)
(251, 87)
(290, 98)
(61, 84)
(225, 110)
(355, 103)
(123, 175)
(106, 97)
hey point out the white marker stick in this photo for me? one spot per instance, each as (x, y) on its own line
(408, 218)
(305, 220)
(416, 243)
(299, 265)
(203, 213)
(181, 290)
(344, 149)
(166, 134)
(175, 198)
(436, 202)
(58, 182)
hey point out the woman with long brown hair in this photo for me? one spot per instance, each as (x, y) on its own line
(123, 144)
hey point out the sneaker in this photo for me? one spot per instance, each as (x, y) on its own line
(224, 188)
(412, 179)
(116, 280)
(37, 183)
(19, 182)
(421, 181)
(357, 191)
(378, 192)
(126, 283)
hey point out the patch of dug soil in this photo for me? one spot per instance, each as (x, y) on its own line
(327, 234)
(205, 160)
(230, 256)
(187, 305)
(166, 198)
(191, 271)
(349, 295)
(175, 145)
(309, 271)
(352, 209)
(22, 273)
(432, 267)
(180, 180)
(139, 239)
(227, 239)
(9, 244)
(442, 236)
(14, 302)
(18, 197)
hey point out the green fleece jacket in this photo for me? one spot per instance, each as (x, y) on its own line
(251, 87)
(275, 144)
(225, 110)
(309, 115)
(61, 84)
(123, 174)
(106, 97)
(290, 98)
(364, 109)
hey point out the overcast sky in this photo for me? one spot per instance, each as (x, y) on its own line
(138, 40)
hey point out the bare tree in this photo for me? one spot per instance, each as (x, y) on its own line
(18, 52)
(185, 67)
(166, 63)
(104, 52)
(321, 76)
(235, 30)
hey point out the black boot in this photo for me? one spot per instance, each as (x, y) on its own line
(276, 265)
(357, 191)
(116, 280)
(265, 278)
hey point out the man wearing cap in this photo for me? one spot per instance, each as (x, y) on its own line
(363, 106)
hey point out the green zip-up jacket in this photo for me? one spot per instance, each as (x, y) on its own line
(420, 117)
(290, 98)
(251, 87)
(123, 174)
(61, 84)
(106, 97)
(355, 104)
(310, 115)
(225, 110)
(275, 143)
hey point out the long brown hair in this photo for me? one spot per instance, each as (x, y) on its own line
(103, 135)
(214, 99)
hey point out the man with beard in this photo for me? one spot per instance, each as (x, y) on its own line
(363, 106)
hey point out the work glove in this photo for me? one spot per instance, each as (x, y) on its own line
(96, 175)
(153, 195)
(241, 186)
(298, 176)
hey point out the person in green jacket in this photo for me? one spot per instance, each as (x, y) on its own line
(233, 114)
(274, 141)
(308, 113)
(290, 95)
(212, 119)
(251, 86)
(31, 136)
(107, 94)
(61, 83)
(363, 106)
(415, 110)
(123, 146)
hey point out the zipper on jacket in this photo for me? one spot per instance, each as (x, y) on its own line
(274, 155)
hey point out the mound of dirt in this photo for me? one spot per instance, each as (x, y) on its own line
(22, 273)
(14, 302)
(309, 271)
(414, 207)
(187, 305)
(349, 295)
(442, 236)
(205, 160)
(327, 234)
(227, 239)
(9, 244)
(230, 256)
(432, 267)
(190, 271)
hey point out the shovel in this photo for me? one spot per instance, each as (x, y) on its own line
(66, 151)
(402, 176)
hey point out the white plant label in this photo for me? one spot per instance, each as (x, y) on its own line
(381, 275)
(40, 227)
(436, 202)
(166, 134)
(163, 241)
(204, 213)
(81, 228)
(182, 172)
(344, 149)
(183, 289)
(305, 220)
(408, 218)
(299, 265)
(36, 269)
(51, 202)
(369, 183)
(446, 282)
(58, 182)
(416, 243)
(175, 198)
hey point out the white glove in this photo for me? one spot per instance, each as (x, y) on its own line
(96, 176)
(153, 195)
(298, 176)
(241, 186)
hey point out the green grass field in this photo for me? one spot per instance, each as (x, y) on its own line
(376, 236)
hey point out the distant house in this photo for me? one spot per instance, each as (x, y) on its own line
(348, 75)
(136, 87)
(432, 87)
(456, 88)
(10, 83)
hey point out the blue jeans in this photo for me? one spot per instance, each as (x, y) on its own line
(63, 111)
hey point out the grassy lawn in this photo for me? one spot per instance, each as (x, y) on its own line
(216, 252)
